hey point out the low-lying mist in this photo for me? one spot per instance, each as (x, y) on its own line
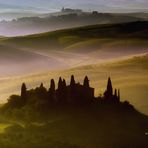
(97, 51)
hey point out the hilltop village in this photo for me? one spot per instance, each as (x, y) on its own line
(73, 94)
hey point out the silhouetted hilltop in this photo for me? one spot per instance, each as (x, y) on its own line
(75, 94)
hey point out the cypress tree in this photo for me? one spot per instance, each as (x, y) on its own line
(42, 92)
(115, 92)
(60, 83)
(86, 82)
(72, 81)
(52, 92)
(109, 87)
(64, 83)
(23, 93)
(52, 85)
(119, 94)
(41, 86)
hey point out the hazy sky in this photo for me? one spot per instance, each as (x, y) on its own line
(53, 5)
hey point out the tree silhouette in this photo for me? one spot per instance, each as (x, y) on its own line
(61, 90)
(109, 87)
(15, 101)
(52, 92)
(115, 92)
(23, 93)
(52, 85)
(72, 81)
(60, 83)
(119, 94)
(64, 84)
(86, 82)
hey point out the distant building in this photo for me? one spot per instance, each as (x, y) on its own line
(95, 12)
(69, 10)
(74, 93)
(80, 94)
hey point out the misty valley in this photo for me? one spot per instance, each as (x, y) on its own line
(73, 78)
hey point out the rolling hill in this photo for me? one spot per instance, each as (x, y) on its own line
(106, 39)
(43, 23)
(126, 35)
(78, 45)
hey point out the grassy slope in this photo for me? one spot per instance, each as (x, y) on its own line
(99, 126)
(83, 45)
(79, 46)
